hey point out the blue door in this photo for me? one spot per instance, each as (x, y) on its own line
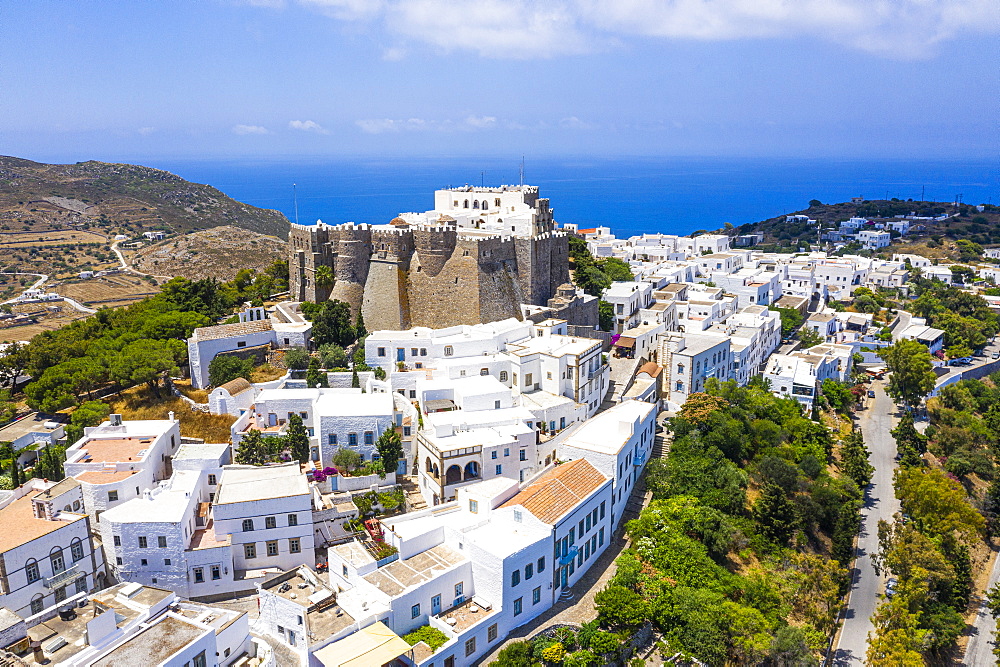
(564, 576)
(435, 605)
(400, 354)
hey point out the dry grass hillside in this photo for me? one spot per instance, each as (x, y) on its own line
(213, 253)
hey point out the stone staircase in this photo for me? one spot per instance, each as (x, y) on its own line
(661, 445)
(414, 499)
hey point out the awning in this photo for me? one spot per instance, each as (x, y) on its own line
(440, 405)
(368, 647)
(626, 342)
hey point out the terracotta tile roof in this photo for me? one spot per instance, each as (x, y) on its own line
(20, 525)
(558, 491)
(650, 368)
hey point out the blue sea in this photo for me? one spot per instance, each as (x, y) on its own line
(630, 195)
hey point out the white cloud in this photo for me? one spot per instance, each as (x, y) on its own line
(521, 29)
(574, 123)
(249, 129)
(383, 125)
(146, 131)
(481, 122)
(308, 126)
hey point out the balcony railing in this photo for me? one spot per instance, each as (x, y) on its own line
(569, 556)
(69, 575)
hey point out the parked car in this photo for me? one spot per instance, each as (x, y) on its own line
(871, 393)
(890, 587)
(961, 361)
(996, 355)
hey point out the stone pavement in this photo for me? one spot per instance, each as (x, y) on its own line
(580, 609)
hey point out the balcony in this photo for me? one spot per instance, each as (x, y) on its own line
(640, 459)
(67, 576)
(568, 557)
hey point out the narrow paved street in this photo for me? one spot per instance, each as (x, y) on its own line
(880, 503)
(979, 650)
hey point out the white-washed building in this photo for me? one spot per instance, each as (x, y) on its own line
(689, 359)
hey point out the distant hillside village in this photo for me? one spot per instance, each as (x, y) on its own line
(464, 466)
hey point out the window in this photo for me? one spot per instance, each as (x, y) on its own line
(352, 439)
(270, 522)
(294, 546)
(449, 661)
(76, 550)
(118, 560)
(541, 564)
(515, 577)
(602, 509)
(112, 496)
(517, 516)
(470, 646)
(448, 350)
(493, 454)
(37, 605)
(199, 575)
(81, 585)
(496, 405)
(117, 540)
(31, 570)
(580, 527)
(199, 660)
(60, 594)
(518, 607)
(527, 379)
(166, 561)
(529, 571)
(491, 633)
(293, 519)
(506, 451)
(211, 480)
(474, 506)
(524, 457)
(143, 562)
(333, 438)
(272, 548)
(161, 541)
(250, 550)
(600, 537)
(247, 525)
(381, 352)
(406, 431)
(536, 595)
(415, 611)
(589, 522)
(369, 438)
(459, 588)
(499, 469)
(215, 573)
(503, 376)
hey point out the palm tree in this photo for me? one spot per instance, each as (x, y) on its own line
(324, 277)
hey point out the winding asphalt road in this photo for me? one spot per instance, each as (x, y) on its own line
(880, 503)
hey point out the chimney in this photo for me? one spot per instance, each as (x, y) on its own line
(116, 420)
(170, 416)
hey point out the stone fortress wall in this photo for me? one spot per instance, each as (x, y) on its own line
(423, 275)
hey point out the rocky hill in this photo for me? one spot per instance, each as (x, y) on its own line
(218, 253)
(120, 198)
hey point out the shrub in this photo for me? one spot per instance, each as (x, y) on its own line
(620, 607)
(517, 654)
(584, 658)
(297, 358)
(604, 642)
(554, 653)
(428, 635)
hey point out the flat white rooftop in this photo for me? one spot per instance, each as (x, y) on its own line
(240, 484)
(605, 433)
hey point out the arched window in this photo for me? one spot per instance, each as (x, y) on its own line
(448, 350)
(503, 376)
(475, 204)
(37, 604)
(453, 476)
(466, 204)
(58, 562)
(471, 470)
(485, 205)
(484, 371)
(430, 466)
(76, 549)
(31, 571)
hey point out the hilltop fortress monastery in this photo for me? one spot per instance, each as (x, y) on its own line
(479, 255)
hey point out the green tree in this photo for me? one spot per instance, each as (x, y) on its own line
(838, 395)
(621, 608)
(615, 269)
(390, 448)
(314, 376)
(251, 451)
(968, 251)
(775, 514)
(810, 338)
(297, 438)
(791, 319)
(912, 375)
(227, 367)
(359, 326)
(591, 279)
(296, 358)
(854, 459)
(324, 277)
(346, 460)
(355, 380)
(332, 356)
(89, 413)
(938, 506)
(331, 322)
(606, 315)
(144, 361)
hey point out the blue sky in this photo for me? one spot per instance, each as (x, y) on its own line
(279, 78)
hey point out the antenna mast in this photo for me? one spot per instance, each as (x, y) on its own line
(295, 198)
(522, 172)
